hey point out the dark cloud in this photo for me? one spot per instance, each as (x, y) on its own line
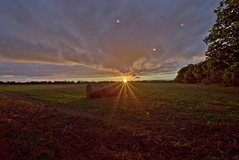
(86, 33)
(38, 71)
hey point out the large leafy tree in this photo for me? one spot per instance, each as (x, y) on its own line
(223, 40)
(222, 63)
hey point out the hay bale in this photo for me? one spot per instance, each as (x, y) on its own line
(94, 90)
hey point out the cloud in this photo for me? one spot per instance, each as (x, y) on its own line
(19, 71)
(85, 33)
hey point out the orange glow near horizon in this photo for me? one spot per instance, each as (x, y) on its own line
(125, 80)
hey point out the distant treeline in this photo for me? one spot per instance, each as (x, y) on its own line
(78, 82)
(44, 82)
(222, 57)
(155, 81)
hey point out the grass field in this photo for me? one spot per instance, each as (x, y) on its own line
(148, 121)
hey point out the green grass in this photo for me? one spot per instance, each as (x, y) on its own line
(48, 93)
(165, 121)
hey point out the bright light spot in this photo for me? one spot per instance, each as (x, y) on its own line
(125, 80)
(154, 49)
(117, 21)
(182, 24)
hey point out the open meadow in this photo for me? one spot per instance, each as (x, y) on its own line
(147, 121)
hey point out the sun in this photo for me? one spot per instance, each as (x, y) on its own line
(125, 80)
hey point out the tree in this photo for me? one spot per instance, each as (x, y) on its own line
(223, 40)
(231, 75)
(198, 72)
(222, 62)
(181, 75)
(189, 75)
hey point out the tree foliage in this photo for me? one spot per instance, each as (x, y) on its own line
(222, 62)
(223, 39)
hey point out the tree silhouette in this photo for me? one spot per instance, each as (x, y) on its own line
(222, 62)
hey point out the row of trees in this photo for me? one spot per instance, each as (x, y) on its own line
(50, 82)
(222, 62)
(43, 82)
(208, 72)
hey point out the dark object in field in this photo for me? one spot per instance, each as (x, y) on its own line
(97, 90)
(94, 90)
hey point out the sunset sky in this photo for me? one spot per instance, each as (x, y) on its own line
(101, 39)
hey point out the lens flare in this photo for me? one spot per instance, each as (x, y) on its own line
(126, 97)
